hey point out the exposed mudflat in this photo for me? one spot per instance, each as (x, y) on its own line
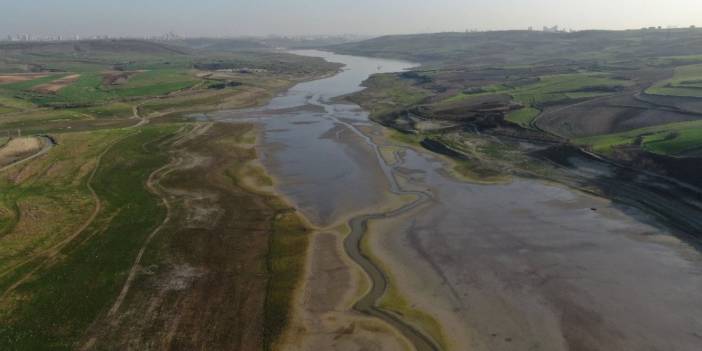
(530, 266)
(521, 266)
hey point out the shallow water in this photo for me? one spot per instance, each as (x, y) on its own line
(321, 163)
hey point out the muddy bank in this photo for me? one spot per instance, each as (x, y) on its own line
(673, 203)
(533, 266)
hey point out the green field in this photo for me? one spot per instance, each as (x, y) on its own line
(67, 197)
(286, 261)
(109, 110)
(156, 83)
(26, 85)
(552, 88)
(667, 61)
(687, 81)
(557, 87)
(389, 94)
(523, 116)
(35, 119)
(12, 103)
(481, 91)
(548, 90)
(67, 295)
(669, 139)
(89, 88)
(145, 70)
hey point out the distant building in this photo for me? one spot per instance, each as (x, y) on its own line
(553, 29)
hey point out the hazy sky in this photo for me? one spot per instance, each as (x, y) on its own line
(296, 17)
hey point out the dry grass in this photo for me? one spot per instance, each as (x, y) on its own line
(18, 148)
(54, 86)
(115, 78)
(239, 97)
(32, 221)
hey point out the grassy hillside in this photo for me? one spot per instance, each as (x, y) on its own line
(519, 47)
(686, 82)
(102, 83)
(499, 103)
(43, 309)
(544, 91)
(80, 244)
(636, 89)
(668, 139)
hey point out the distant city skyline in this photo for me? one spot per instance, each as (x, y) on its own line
(173, 36)
(131, 18)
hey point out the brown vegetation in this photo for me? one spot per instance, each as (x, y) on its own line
(18, 148)
(17, 78)
(116, 78)
(56, 85)
(202, 282)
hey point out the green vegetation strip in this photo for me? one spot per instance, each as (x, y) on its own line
(687, 82)
(388, 94)
(89, 88)
(286, 260)
(549, 89)
(669, 139)
(19, 86)
(523, 116)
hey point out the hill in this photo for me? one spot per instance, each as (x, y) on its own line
(222, 45)
(633, 96)
(520, 47)
(92, 47)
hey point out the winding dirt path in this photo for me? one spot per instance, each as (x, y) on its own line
(178, 162)
(54, 250)
(48, 145)
(143, 120)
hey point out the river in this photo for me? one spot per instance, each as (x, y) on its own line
(521, 266)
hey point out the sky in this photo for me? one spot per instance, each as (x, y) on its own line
(314, 17)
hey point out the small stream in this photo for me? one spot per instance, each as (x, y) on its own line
(329, 168)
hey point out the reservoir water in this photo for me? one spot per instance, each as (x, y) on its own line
(522, 266)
